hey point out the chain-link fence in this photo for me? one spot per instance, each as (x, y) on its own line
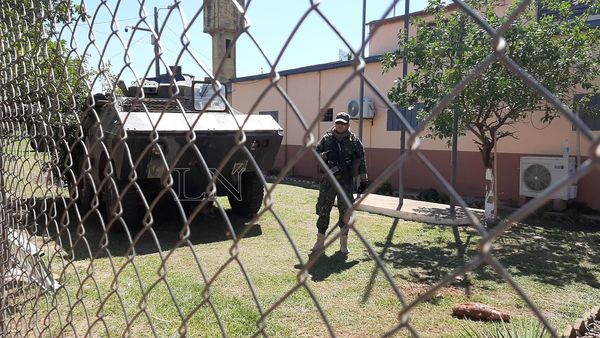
(85, 178)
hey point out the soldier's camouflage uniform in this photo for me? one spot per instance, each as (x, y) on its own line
(346, 158)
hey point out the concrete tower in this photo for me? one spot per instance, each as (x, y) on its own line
(223, 20)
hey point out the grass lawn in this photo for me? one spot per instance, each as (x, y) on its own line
(556, 264)
(29, 173)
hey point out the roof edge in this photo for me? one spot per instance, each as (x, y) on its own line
(422, 12)
(307, 69)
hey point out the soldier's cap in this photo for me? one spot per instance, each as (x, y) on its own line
(342, 117)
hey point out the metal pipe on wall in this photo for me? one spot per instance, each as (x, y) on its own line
(405, 109)
(362, 73)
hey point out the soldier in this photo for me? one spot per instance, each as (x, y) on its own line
(345, 156)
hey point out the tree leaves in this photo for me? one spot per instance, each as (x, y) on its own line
(560, 53)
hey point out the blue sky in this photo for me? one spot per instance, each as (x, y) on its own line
(271, 23)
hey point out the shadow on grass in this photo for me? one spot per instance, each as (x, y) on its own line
(427, 261)
(548, 251)
(83, 240)
(553, 250)
(325, 266)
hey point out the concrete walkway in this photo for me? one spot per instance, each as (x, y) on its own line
(414, 210)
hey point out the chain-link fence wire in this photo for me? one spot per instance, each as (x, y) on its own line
(87, 177)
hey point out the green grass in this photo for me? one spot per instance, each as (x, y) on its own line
(557, 265)
(29, 173)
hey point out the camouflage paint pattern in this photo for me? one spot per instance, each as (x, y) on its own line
(345, 157)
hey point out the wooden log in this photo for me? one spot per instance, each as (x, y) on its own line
(478, 311)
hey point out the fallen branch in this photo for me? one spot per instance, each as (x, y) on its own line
(477, 311)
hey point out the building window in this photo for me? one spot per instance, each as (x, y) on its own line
(328, 115)
(394, 123)
(273, 113)
(589, 114)
(227, 48)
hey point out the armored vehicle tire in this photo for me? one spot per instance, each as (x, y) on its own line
(132, 215)
(80, 187)
(83, 191)
(252, 196)
(85, 194)
(190, 207)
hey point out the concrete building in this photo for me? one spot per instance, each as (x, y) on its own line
(315, 96)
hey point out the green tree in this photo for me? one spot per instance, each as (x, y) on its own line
(559, 50)
(344, 55)
(48, 81)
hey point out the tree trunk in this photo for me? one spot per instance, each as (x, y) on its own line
(490, 196)
(478, 311)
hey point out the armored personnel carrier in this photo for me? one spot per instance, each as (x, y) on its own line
(171, 136)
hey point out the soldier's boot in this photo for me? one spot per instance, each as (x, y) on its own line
(344, 244)
(319, 244)
(344, 240)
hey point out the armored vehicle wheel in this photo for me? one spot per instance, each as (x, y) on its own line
(190, 207)
(82, 187)
(133, 212)
(252, 196)
(85, 194)
(132, 215)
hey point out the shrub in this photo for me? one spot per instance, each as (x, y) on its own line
(385, 189)
(521, 329)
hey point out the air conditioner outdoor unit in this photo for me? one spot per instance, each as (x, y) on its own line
(354, 108)
(538, 173)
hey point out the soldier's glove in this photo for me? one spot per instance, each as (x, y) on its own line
(361, 187)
